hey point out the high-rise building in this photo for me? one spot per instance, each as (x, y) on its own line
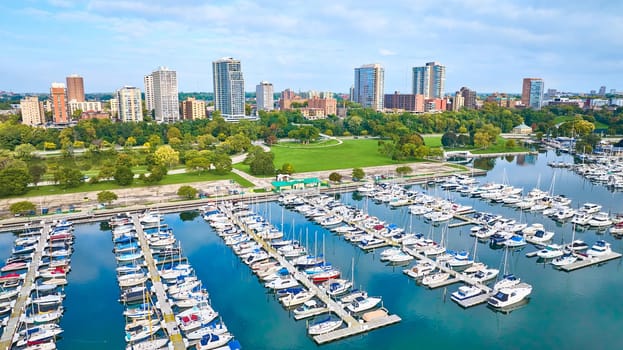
(130, 104)
(193, 109)
(166, 101)
(228, 88)
(458, 101)
(469, 97)
(32, 111)
(532, 92)
(369, 81)
(429, 80)
(75, 88)
(148, 81)
(264, 96)
(602, 91)
(58, 97)
(114, 106)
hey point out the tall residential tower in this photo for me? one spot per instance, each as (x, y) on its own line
(429, 80)
(228, 88)
(264, 96)
(130, 104)
(368, 89)
(532, 92)
(166, 101)
(75, 88)
(58, 97)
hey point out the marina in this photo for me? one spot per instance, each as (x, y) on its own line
(244, 302)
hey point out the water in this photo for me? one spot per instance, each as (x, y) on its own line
(566, 310)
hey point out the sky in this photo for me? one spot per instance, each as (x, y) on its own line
(486, 45)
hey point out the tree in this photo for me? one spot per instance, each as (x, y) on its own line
(68, 177)
(47, 146)
(358, 174)
(481, 139)
(123, 176)
(287, 168)
(404, 170)
(166, 156)
(510, 144)
(24, 151)
(14, 180)
(22, 207)
(198, 164)
(262, 164)
(187, 192)
(222, 163)
(106, 197)
(335, 177)
(36, 172)
(173, 132)
(448, 139)
(157, 173)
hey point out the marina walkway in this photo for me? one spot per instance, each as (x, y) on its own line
(353, 326)
(169, 322)
(29, 281)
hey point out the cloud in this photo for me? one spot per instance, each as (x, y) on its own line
(386, 52)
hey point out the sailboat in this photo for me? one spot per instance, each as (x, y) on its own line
(508, 279)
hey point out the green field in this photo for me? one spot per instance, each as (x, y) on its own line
(350, 154)
(432, 140)
(109, 185)
(316, 144)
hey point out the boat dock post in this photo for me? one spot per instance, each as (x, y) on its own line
(354, 327)
(169, 322)
(29, 280)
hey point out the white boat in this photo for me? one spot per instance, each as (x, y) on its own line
(581, 218)
(337, 286)
(400, 258)
(515, 241)
(215, 328)
(576, 245)
(465, 292)
(282, 282)
(509, 296)
(385, 254)
(565, 259)
(600, 248)
(600, 219)
(541, 236)
(213, 341)
(590, 208)
(38, 334)
(362, 304)
(507, 281)
(435, 278)
(141, 332)
(152, 344)
(419, 270)
(485, 275)
(324, 326)
(550, 251)
(460, 259)
(195, 317)
(295, 299)
(308, 308)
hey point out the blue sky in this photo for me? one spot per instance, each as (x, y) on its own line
(487, 45)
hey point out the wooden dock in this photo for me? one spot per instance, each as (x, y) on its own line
(9, 331)
(169, 322)
(588, 261)
(353, 327)
(463, 221)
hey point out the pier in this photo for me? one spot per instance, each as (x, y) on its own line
(353, 327)
(9, 331)
(585, 261)
(169, 322)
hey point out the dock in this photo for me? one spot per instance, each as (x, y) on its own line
(585, 261)
(169, 322)
(353, 326)
(9, 331)
(463, 221)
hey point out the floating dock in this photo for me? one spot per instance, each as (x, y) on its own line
(9, 331)
(169, 322)
(463, 220)
(585, 261)
(354, 327)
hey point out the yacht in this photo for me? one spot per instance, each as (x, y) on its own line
(581, 218)
(435, 278)
(565, 259)
(460, 259)
(465, 292)
(600, 219)
(419, 270)
(550, 251)
(485, 275)
(507, 281)
(308, 308)
(590, 208)
(600, 248)
(363, 303)
(324, 326)
(509, 296)
(213, 341)
(515, 241)
(577, 245)
(541, 236)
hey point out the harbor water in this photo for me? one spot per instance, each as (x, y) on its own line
(574, 310)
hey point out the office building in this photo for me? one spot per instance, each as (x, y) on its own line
(84, 106)
(404, 102)
(429, 80)
(193, 109)
(148, 81)
(264, 96)
(532, 92)
(130, 108)
(32, 111)
(75, 88)
(369, 85)
(327, 105)
(163, 85)
(228, 88)
(58, 103)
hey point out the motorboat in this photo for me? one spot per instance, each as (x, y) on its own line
(400, 258)
(308, 308)
(435, 278)
(216, 327)
(590, 208)
(139, 333)
(600, 248)
(151, 344)
(601, 219)
(213, 341)
(460, 259)
(363, 303)
(325, 275)
(565, 259)
(507, 281)
(295, 299)
(485, 275)
(509, 296)
(419, 270)
(324, 326)
(282, 282)
(385, 254)
(550, 251)
(465, 292)
(577, 245)
(541, 236)
(337, 286)
(515, 241)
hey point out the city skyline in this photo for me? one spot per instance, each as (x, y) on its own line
(487, 45)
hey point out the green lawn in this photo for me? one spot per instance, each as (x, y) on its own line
(432, 141)
(109, 185)
(316, 144)
(350, 154)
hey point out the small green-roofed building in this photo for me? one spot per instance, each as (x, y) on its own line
(295, 184)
